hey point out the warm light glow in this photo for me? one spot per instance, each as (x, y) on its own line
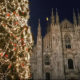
(47, 19)
(18, 40)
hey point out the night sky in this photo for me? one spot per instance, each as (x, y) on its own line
(40, 9)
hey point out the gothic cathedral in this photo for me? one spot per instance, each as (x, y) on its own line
(56, 56)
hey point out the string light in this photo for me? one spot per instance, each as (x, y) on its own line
(16, 45)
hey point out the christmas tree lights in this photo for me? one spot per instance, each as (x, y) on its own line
(15, 40)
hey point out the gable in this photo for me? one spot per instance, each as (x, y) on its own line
(66, 25)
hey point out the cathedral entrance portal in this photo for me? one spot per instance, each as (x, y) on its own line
(47, 75)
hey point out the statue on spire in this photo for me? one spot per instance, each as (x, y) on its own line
(52, 17)
(57, 17)
(74, 18)
(78, 17)
(39, 28)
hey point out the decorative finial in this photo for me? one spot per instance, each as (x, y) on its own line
(74, 18)
(52, 17)
(39, 28)
(57, 17)
(52, 10)
(78, 16)
(38, 22)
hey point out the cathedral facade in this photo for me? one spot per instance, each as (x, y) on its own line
(56, 56)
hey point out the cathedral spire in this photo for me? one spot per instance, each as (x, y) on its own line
(74, 18)
(57, 17)
(52, 17)
(78, 17)
(39, 29)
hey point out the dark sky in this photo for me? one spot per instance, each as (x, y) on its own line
(42, 9)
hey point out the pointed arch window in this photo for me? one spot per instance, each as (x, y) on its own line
(47, 60)
(70, 64)
(67, 42)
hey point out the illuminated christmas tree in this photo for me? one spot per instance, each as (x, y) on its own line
(15, 40)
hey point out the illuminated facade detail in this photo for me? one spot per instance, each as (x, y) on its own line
(62, 45)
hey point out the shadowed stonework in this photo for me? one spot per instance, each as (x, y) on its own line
(56, 56)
